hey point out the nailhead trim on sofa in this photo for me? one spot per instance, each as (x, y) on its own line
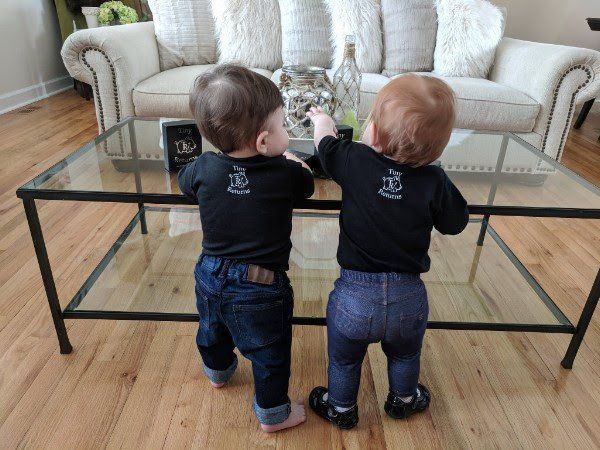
(491, 169)
(99, 99)
(588, 71)
(96, 89)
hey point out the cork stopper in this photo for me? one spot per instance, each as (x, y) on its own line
(350, 46)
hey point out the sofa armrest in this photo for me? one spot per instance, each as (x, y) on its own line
(113, 60)
(556, 76)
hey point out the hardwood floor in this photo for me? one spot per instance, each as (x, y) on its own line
(139, 384)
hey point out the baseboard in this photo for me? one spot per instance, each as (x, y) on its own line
(21, 97)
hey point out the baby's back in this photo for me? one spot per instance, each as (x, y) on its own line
(246, 205)
(389, 209)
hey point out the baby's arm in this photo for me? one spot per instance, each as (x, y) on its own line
(303, 184)
(333, 153)
(324, 124)
(293, 157)
(188, 180)
(452, 215)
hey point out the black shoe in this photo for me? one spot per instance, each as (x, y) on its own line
(345, 420)
(397, 409)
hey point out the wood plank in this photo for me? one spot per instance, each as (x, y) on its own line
(140, 384)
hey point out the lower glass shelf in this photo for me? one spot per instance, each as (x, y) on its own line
(150, 276)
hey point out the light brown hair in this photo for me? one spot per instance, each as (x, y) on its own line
(231, 104)
(413, 116)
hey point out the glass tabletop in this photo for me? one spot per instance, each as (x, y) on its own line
(497, 169)
(153, 273)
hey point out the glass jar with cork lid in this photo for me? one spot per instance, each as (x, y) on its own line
(303, 87)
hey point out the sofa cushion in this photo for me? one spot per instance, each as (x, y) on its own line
(248, 32)
(305, 33)
(362, 18)
(481, 104)
(369, 87)
(166, 93)
(184, 32)
(409, 30)
(485, 105)
(467, 36)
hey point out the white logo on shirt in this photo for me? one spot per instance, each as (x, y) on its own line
(391, 185)
(238, 181)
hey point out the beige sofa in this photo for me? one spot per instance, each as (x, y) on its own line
(532, 88)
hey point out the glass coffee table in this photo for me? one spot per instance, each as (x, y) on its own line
(475, 282)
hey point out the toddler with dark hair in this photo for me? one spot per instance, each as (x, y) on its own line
(245, 195)
(391, 199)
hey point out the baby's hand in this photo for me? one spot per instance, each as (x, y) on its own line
(290, 155)
(324, 125)
(293, 157)
(320, 119)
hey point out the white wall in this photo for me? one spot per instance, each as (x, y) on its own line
(553, 21)
(30, 62)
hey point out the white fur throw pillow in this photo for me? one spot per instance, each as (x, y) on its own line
(468, 33)
(305, 26)
(409, 29)
(248, 32)
(361, 18)
(184, 31)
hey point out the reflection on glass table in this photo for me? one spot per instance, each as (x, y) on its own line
(489, 168)
(467, 283)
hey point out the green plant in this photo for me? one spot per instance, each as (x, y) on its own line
(114, 11)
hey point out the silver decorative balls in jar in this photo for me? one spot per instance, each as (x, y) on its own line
(303, 87)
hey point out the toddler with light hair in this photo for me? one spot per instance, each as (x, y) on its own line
(392, 198)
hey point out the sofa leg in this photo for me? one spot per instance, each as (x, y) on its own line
(583, 113)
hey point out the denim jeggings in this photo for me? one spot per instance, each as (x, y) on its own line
(364, 308)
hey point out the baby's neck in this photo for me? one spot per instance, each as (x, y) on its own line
(243, 153)
(391, 158)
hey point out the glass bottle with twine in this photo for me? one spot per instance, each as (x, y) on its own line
(346, 83)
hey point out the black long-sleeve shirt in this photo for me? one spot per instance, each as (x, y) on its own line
(389, 209)
(246, 205)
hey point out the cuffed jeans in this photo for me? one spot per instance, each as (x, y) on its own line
(364, 308)
(257, 319)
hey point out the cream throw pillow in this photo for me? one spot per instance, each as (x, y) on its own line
(409, 29)
(184, 31)
(248, 32)
(468, 33)
(363, 19)
(305, 26)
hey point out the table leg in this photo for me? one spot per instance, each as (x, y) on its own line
(582, 325)
(585, 109)
(493, 187)
(143, 226)
(490, 201)
(477, 254)
(138, 178)
(484, 225)
(46, 272)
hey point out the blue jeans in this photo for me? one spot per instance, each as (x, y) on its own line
(364, 308)
(257, 319)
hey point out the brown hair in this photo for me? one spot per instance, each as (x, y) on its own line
(413, 116)
(231, 105)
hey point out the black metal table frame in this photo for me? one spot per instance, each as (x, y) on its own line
(29, 195)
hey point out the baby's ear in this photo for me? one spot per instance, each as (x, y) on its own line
(261, 143)
(372, 137)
